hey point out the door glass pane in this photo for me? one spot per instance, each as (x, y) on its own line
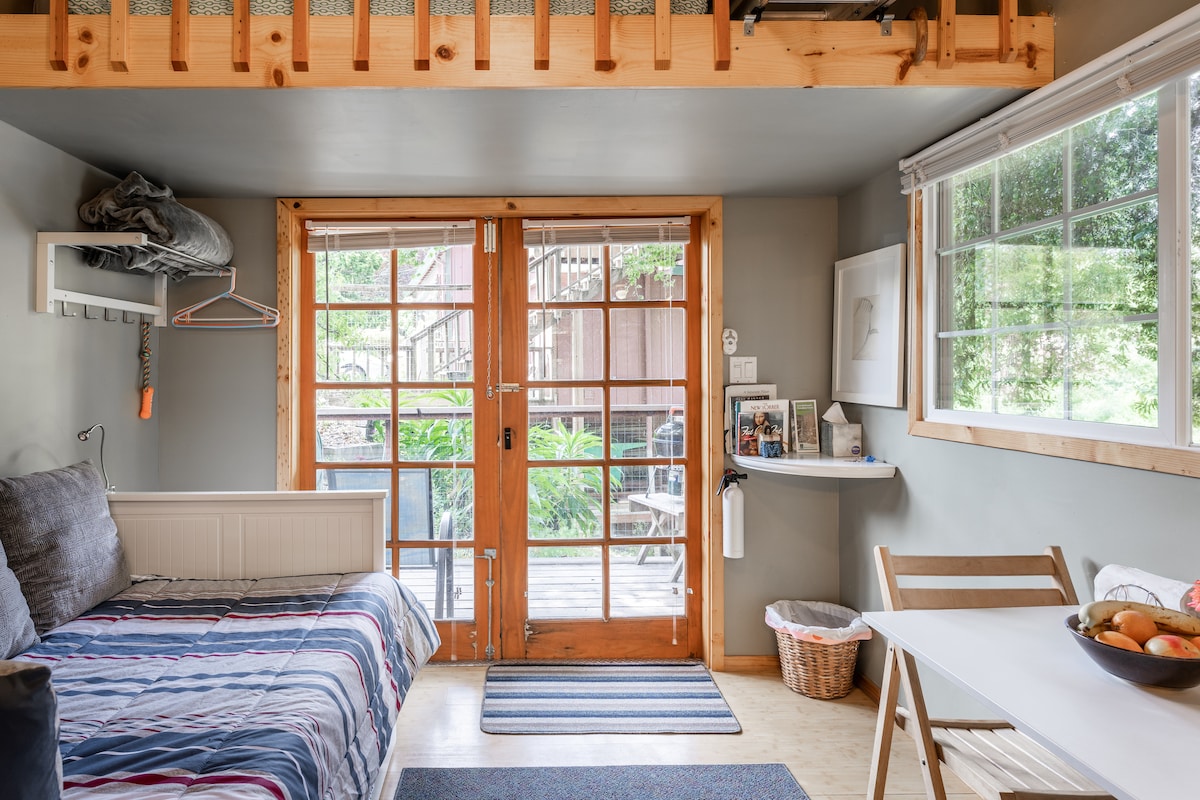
(442, 578)
(434, 274)
(566, 273)
(566, 423)
(356, 276)
(566, 345)
(434, 425)
(647, 421)
(454, 495)
(352, 425)
(657, 514)
(434, 345)
(564, 502)
(648, 343)
(565, 583)
(358, 480)
(353, 346)
(647, 580)
(648, 272)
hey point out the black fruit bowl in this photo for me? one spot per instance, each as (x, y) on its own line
(1150, 670)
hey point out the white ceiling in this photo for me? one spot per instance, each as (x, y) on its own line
(496, 142)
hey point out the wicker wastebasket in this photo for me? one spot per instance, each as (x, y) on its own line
(818, 646)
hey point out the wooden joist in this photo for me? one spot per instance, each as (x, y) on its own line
(118, 43)
(947, 31)
(181, 29)
(245, 50)
(602, 20)
(300, 43)
(241, 35)
(1008, 20)
(662, 34)
(362, 35)
(483, 34)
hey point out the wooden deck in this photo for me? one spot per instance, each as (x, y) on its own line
(567, 587)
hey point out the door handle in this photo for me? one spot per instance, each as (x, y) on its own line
(508, 438)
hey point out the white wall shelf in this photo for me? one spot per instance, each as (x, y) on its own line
(48, 290)
(816, 466)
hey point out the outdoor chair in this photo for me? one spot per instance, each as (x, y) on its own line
(993, 758)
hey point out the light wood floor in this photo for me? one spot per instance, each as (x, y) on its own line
(825, 743)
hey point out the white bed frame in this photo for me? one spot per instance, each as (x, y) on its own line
(227, 535)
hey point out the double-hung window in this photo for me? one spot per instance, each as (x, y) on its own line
(1056, 294)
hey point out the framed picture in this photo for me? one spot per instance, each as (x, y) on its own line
(868, 328)
(804, 427)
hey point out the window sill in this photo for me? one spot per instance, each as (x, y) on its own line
(1183, 461)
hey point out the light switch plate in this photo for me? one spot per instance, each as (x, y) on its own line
(743, 369)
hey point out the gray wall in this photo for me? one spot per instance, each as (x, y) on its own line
(63, 374)
(950, 497)
(779, 298)
(218, 386)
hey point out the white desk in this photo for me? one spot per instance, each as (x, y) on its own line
(1137, 742)
(665, 511)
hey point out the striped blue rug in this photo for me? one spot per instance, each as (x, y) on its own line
(654, 782)
(610, 697)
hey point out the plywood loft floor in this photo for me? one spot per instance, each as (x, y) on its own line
(825, 743)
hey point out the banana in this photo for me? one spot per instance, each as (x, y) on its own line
(1094, 617)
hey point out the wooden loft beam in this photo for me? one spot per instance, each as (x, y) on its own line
(170, 52)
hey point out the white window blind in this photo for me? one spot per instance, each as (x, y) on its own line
(1162, 54)
(538, 233)
(342, 236)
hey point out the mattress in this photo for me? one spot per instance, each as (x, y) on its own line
(280, 688)
(390, 8)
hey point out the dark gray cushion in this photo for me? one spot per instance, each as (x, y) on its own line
(61, 542)
(30, 765)
(16, 626)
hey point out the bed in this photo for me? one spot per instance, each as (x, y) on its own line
(229, 664)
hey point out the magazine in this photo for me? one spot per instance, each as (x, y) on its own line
(804, 427)
(735, 393)
(762, 427)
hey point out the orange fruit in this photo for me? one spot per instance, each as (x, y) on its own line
(1117, 639)
(1135, 625)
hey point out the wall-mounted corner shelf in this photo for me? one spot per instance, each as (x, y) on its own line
(817, 466)
(47, 290)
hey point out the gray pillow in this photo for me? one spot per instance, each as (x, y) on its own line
(16, 626)
(30, 764)
(61, 542)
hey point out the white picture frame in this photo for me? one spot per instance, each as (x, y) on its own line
(868, 328)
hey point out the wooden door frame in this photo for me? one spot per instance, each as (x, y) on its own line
(291, 215)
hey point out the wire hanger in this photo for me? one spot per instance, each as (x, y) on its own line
(263, 316)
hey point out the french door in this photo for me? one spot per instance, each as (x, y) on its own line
(521, 389)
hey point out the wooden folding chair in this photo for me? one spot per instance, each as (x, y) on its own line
(993, 758)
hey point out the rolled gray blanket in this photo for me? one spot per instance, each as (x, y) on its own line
(137, 205)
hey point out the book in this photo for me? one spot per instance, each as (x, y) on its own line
(804, 427)
(762, 427)
(742, 391)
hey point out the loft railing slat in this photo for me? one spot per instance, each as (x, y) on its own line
(181, 33)
(483, 35)
(301, 51)
(603, 46)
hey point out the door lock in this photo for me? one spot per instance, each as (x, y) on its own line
(508, 438)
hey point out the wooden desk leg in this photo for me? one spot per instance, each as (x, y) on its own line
(885, 725)
(655, 528)
(931, 768)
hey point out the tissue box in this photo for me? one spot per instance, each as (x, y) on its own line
(841, 441)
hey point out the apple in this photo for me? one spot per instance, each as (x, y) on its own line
(1168, 644)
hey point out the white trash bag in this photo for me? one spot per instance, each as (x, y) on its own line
(815, 621)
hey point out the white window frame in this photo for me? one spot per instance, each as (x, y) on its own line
(1163, 59)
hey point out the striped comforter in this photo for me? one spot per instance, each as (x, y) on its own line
(282, 688)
